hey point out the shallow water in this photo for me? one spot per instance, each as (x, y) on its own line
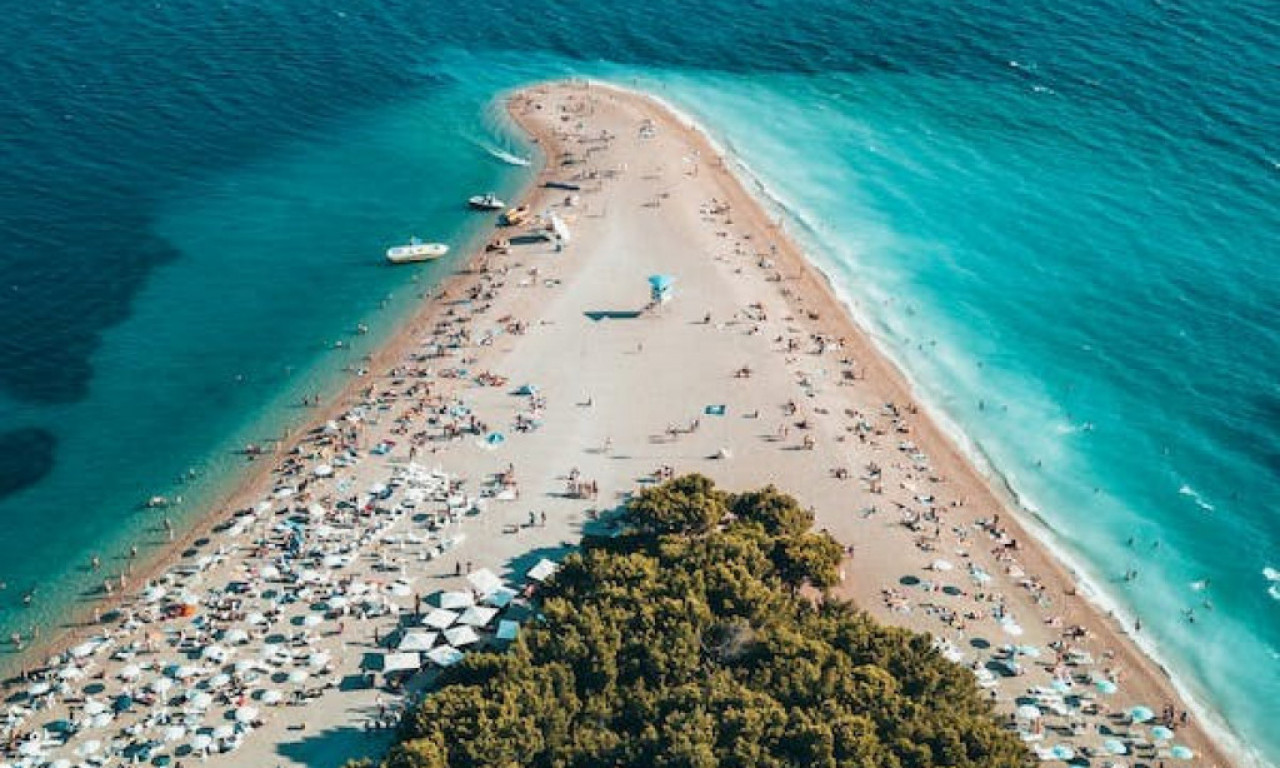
(1061, 220)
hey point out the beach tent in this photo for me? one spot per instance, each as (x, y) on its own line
(507, 630)
(417, 642)
(445, 656)
(399, 662)
(484, 582)
(440, 619)
(543, 570)
(660, 288)
(460, 636)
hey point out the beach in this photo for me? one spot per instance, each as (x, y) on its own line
(677, 329)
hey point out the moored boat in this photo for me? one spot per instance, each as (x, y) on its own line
(416, 251)
(486, 202)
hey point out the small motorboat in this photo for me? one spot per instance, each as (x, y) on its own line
(416, 251)
(486, 202)
(516, 216)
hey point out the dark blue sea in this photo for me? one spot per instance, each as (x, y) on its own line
(1062, 219)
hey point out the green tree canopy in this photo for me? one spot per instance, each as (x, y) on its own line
(682, 643)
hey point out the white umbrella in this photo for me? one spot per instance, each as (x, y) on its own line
(440, 619)
(161, 684)
(246, 714)
(323, 470)
(214, 653)
(219, 680)
(39, 689)
(129, 672)
(201, 742)
(101, 720)
(477, 616)
(256, 618)
(1029, 712)
(32, 748)
(456, 600)
(236, 636)
(271, 696)
(941, 565)
(460, 636)
(338, 602)
(175, 733)
(299, 676)
(200, 700)
(94, 707)
(319, 659)
(313, 620)
(62, 763)
(70, 673)
(90, 747)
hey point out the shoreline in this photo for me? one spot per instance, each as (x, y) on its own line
(1071, 570)
(808, 290)
(238, 488)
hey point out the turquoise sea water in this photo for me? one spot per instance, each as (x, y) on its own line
(1061, 220)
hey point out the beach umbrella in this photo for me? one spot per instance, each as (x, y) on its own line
(272, 696)
(1179, 752)
(236, 636)
(1029, 712)
(323, 470)
(256, 618)
(161, 685)
(94, 707)
(90, 747)
(1141, 714)
(246, 714)
(456, 600)
(223, 732)
(175, 733)
(661, 282)
(100, 720)
(214, 653)
(338, 602)
(1161, 733)
(39, 689)
(941, 565)
(70, 673)
(444, 655)
(62, 763)
(1060, 685)
(313, 620)
(1030, 651)
(201, 742)
(299, 676)
(460, 636)
(1062, 752)
(440, 619)
(219, 680)
(200, 700)
(507, 629)
(1106, 686)
(129, 672)
(1115, 747)
(31, 748)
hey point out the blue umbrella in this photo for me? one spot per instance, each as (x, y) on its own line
(495, 438)
(661, 282)
(1141, 714)
(1060, 685)
(1160, 733)
(1115, 747)
(1180, 752)
(1062, 752)
(1106, 686)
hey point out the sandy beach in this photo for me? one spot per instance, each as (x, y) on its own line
(531, 395)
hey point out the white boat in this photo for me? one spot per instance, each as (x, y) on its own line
(415, 251)
(486, 202)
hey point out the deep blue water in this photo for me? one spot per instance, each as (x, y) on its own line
(1062, 219)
